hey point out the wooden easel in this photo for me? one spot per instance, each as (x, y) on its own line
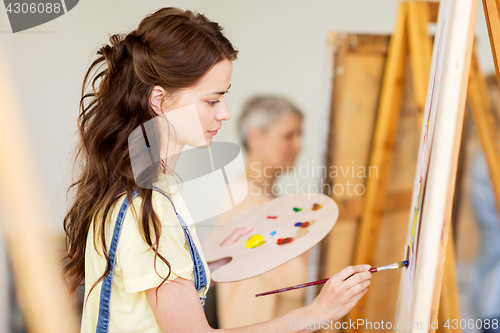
(359, 62)
(411, 34)
(480, 100)
(25, 220)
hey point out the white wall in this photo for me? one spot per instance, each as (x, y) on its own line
(282, 47)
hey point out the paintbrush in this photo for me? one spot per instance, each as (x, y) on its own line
(372, 270)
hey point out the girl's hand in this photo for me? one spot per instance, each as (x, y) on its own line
(228, 241)
(342, 292)
(236, 235)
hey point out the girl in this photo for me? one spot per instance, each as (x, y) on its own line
(136, 246)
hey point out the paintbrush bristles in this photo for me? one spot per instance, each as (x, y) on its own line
(396, 265)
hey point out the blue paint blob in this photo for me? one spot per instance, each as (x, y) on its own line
(298, 224)
(273, 233)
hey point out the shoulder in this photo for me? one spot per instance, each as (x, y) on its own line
(163, 208)
(161, 205)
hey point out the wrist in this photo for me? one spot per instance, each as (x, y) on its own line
(313, 313)
(320, 313)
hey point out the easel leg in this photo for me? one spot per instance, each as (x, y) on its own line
(485, 122)
(449, 307)
(492, 14)
(26, 224)
(381, 152)
(420, 45)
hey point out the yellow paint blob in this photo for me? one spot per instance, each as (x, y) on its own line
(255, 241)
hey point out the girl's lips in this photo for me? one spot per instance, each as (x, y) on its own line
(213, 132)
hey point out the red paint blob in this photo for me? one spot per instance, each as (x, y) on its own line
(272, 217)
(283, 241)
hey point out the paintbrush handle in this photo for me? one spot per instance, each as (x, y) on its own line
(293, 287)
(372, 270)
(296, 287)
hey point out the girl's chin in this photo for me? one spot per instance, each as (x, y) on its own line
(209, 142)
(200, 143)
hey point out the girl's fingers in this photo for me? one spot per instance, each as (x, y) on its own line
(357, 288)
(356, 279)
(236, 235)
(354, 299)
(348, 271)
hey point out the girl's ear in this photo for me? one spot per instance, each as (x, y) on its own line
(156, 99)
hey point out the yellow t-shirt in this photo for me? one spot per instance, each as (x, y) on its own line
(134, 269)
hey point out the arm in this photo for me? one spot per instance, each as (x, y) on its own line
(177, 307)
(228, 241)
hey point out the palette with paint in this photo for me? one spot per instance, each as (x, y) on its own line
(283, 228)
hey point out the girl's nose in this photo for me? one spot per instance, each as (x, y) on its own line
(224, 113)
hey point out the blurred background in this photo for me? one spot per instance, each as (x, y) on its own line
(283, 49)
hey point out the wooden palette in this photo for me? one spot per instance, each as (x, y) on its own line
(276, 217)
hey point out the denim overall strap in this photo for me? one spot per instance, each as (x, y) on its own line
(103, 320)
(198, 267)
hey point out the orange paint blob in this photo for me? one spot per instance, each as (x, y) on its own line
(316, 206)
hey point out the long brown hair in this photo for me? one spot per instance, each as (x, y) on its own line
(172, 49)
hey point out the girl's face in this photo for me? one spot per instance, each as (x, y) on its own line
(208, 97)
(281, 143)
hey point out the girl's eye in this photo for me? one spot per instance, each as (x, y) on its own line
(213, 102)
